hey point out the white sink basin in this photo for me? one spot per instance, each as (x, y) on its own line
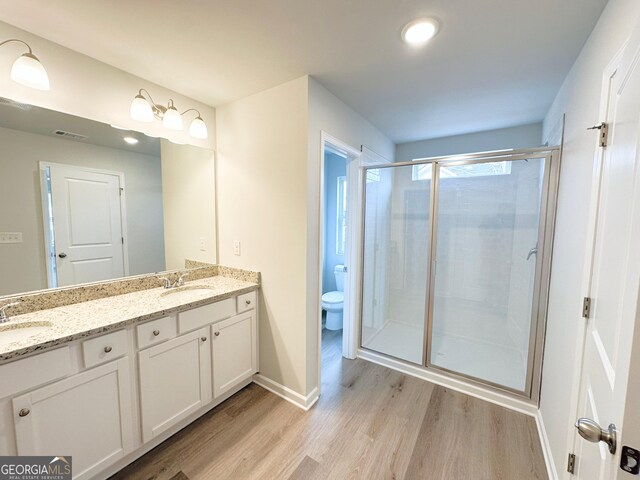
(190, 291)
(18, 332)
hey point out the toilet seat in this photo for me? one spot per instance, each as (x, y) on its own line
(333, 297)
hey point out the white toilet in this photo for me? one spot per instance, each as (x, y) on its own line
(332, 302)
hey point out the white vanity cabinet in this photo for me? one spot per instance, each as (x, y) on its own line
(108, 399)
(87, 416)
(235, 355)
(175, 381)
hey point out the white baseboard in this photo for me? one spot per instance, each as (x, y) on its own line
(289, 395)
(546, 447)
(491, 396)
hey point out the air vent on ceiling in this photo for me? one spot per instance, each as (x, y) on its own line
(14, 104)
(69, 135)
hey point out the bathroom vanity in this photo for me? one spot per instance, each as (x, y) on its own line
(106, 380)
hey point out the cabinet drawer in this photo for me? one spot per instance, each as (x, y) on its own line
(246, 301)
(202, 316)
(156, 331)
(104, 348)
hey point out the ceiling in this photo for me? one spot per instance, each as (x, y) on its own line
(28, 118)
(495, 63)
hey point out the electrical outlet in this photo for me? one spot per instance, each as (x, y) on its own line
(203, 244)
(10, 237)
(236, 247)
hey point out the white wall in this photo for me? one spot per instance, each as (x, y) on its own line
(268, 197)
(515, 137)
(85, 87)
(262, 202)
(188, 193)
(579, 98)
(329, 114)
(22, 211)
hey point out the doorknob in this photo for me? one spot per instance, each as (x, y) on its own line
(62, 255)
(591, 431)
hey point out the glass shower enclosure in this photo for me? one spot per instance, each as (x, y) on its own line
(455, 263)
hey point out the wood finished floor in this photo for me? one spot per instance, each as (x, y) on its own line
(370, 423)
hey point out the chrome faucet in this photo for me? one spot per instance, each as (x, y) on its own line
(167, 283)
(4, 318)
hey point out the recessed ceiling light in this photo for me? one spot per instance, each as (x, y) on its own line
(131, 140)
(419, 32)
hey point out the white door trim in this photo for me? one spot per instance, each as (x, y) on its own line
(42, 165)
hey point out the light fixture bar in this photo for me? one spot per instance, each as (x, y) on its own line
(145, 109)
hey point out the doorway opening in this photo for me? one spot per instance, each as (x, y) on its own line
(339, 194)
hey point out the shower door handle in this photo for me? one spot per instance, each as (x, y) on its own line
(533, 251)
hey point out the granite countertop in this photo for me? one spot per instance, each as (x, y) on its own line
(71, 322)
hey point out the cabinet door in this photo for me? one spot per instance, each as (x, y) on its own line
(175, 381)
(234, 352)
(86, 416)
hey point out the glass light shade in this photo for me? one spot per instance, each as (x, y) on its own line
(198, 129)
(172, 119)
(141, 110)
(28, 71)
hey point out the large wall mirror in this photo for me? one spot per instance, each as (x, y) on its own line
(82, 201)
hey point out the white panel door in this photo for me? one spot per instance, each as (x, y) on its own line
(234, 352)
(614, 270)
(86, 416)
(87, 225)
(175, 381)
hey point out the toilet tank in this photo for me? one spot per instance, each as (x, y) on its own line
(338, 271)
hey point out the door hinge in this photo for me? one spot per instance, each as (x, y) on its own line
(586, 307)
(571, 463)
(604, 133)
(122, 238)
(121, 190)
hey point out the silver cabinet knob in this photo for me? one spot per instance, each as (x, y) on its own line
(24, 412)
(62, 255)
(107, 349)
(156, 332)
(591, 432)
(248, 302)
(204, 339)
(217, 334)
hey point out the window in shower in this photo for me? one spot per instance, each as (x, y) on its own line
(423, 171)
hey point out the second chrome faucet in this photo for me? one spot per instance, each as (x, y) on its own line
(179, 282)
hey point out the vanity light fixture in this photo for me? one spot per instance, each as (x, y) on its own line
(418, 32)
(144, 109)
(27, 69)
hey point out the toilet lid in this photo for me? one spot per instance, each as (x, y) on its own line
(333, 297)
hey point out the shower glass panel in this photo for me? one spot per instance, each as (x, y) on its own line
(487, 232)
(395, 262)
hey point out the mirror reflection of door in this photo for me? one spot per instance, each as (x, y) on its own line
(83, 217)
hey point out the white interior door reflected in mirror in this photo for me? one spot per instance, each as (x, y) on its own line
(84, 219)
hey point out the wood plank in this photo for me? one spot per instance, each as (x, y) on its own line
(370, 423)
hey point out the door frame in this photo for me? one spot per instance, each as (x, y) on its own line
(349, 345)
(46, 218)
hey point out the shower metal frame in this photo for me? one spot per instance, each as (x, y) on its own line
(546, 227)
